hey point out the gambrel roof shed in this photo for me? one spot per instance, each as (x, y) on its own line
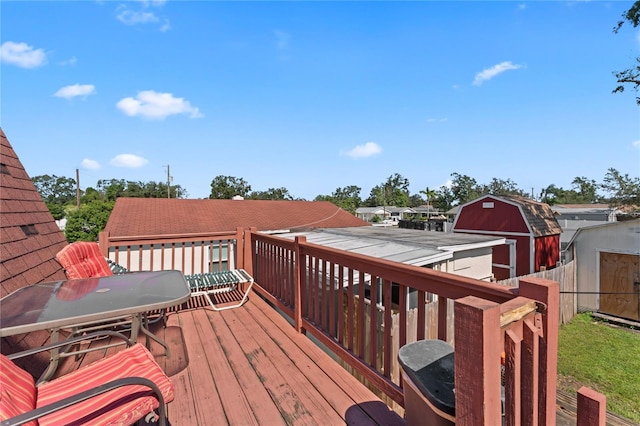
(530, 227)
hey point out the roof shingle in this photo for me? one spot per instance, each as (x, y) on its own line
(161, 216)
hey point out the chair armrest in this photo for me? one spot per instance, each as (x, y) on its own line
(83, 396)
(88, 336)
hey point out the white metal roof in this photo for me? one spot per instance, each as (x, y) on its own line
(410, 246)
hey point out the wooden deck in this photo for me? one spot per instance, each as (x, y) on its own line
(248, 366)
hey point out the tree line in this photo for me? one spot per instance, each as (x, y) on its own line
(87, 220)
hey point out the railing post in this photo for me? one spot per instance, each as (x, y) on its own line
(301, 268)
(548, 293)
(103, 243)
(592, 408)
(247, 248)
(477, 361)
(240, 252)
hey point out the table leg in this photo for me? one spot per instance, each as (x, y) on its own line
(138, 324)
(53, 361)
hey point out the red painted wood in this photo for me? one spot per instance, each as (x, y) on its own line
(477, 361)
(503, 217)
(513, 358)
(529, 371)
(547, 292)
(442, 318)
(592, 408)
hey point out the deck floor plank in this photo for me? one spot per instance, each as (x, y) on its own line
(259, 399)
(298, 401)
(203, 385)
(341, 398)
(232, 397)
(360, 394)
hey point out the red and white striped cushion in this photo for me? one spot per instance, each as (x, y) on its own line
(83, 259)
(17, 390)
(121, 406)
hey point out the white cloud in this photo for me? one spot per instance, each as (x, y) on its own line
(154, 105)
(132, 17)
(636, 144)
(71, 61)
(90, 164)
(74, 90)
(143, 15)
(282, 39)
(367, 150)
(489, 73)
(22, 55)
(128, 160)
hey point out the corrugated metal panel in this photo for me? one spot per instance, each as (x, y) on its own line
(419, 248)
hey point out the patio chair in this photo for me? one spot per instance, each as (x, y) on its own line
(220, 282)
(83, 259)
(120, 389)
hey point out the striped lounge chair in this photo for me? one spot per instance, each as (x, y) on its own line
(120, 389)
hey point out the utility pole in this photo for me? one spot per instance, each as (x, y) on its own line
(168, 182)
(78, 188)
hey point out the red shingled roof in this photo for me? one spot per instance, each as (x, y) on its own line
(159, 216)
(29, 235)
(29, 241)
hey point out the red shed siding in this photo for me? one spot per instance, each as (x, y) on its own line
(503, 217)
(547, 251)
(523, 257)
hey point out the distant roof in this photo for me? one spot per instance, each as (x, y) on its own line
(539, 215)
(161, 216)
(582, 208)
(401, 245)
(29, 235)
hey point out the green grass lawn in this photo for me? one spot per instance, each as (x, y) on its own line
(603, 357)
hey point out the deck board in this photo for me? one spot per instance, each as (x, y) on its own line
(249, 366)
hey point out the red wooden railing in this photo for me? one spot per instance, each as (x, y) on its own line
(322, 290)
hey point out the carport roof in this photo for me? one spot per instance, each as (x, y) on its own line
(408, 246)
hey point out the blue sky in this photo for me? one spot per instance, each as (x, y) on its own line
(316, 95)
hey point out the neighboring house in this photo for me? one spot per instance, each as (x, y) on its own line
(389, 213)
(572, 217)
(29, 238)
(530, 228)
(461, 254)
(607, 260)
(155, 217)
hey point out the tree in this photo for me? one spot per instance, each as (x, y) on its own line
(394, 192)
(347, 198)
(55, 189)
(586, 189)
(86, 223)
(630, 76)
(227, 187)
(464, 188)
(500, 187)
(443, 199)
(271, 194)
(623, 190)
(429, 194)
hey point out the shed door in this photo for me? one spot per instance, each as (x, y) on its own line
(620, 285)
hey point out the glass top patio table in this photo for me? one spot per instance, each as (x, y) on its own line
(60, 304)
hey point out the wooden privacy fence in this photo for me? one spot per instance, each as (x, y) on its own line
(565, 276)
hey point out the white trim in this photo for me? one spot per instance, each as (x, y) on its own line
(489, 233)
